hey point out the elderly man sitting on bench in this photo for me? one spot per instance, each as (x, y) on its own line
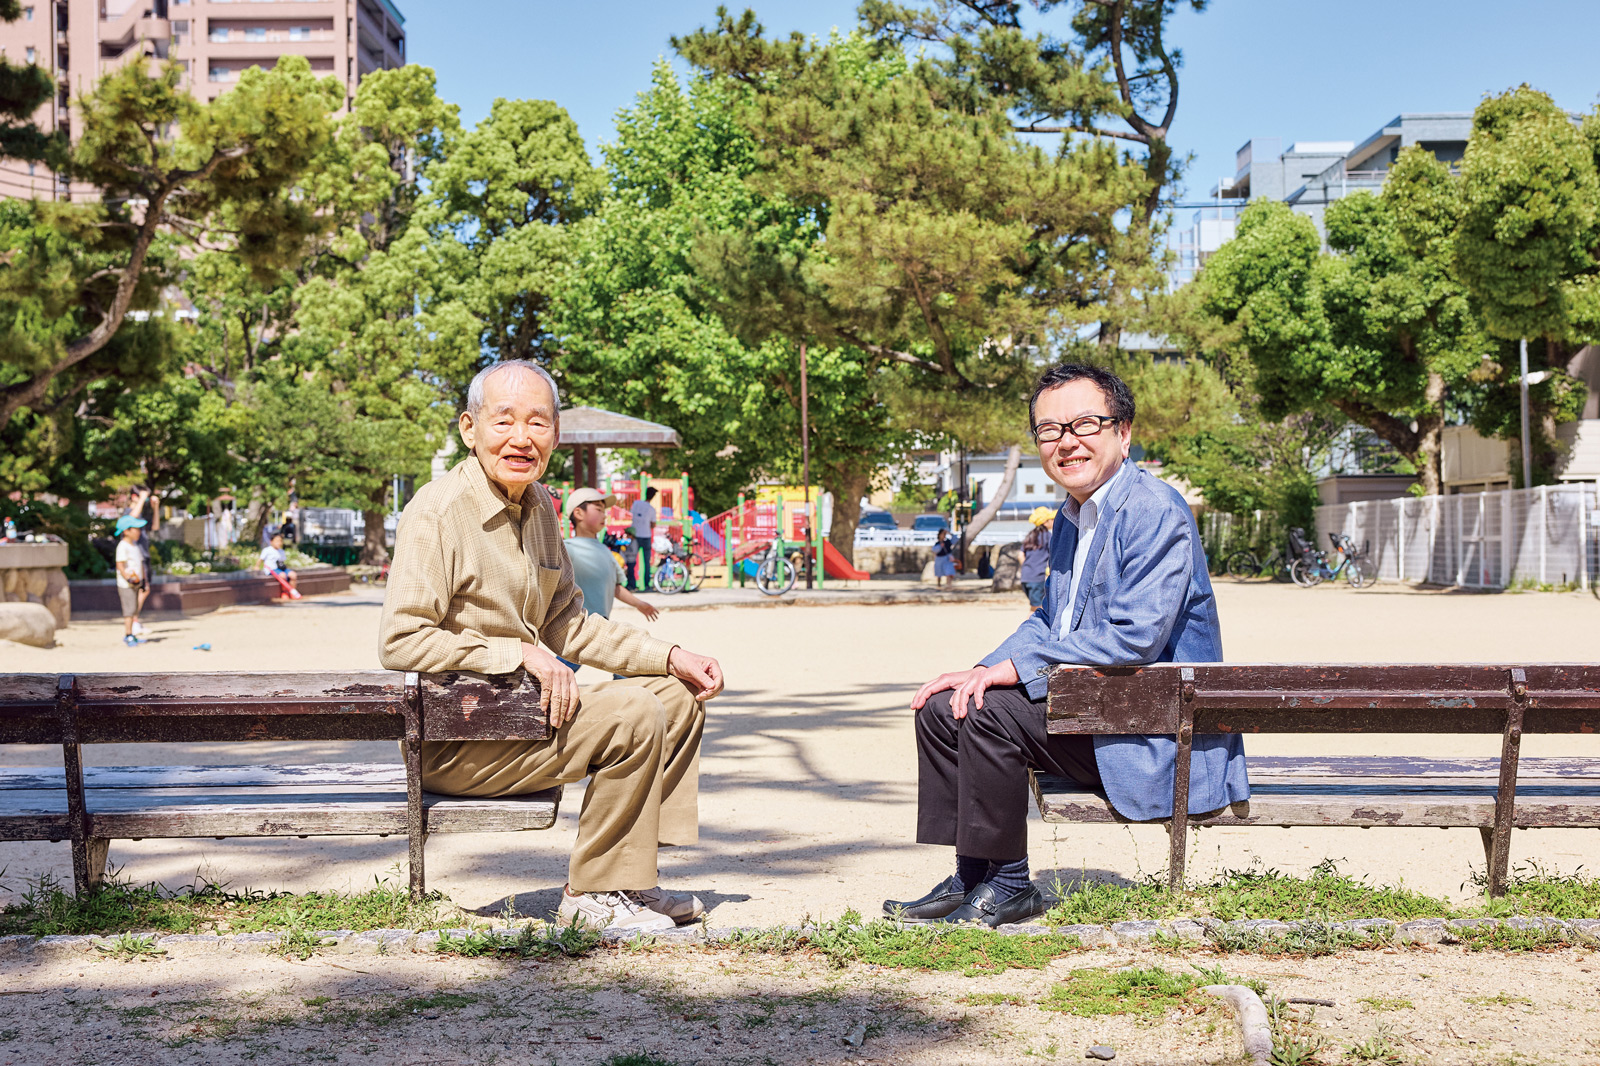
(1127, 586)
(479, 581)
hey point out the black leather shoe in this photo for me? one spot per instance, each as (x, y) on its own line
(981, 906)
(936, 904)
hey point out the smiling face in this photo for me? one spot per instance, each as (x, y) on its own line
(589, 519)
(515, 431)
(1081, 466)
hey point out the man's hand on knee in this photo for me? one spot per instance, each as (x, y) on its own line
(558, 686)
(967, 685)
(702, 672)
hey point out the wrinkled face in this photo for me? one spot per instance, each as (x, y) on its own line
(1080, 465)
(515, 432)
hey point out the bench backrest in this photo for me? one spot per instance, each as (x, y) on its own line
(1278, 698)
(355, 705)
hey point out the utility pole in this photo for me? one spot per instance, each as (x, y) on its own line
(1527, 447)
(805, 461)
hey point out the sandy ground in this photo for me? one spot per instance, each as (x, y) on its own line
(1427, 1005)
(809, 771)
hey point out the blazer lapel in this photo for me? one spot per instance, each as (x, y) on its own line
(1110, 506)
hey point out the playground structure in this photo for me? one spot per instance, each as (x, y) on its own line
(727, 548)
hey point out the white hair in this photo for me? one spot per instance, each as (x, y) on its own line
(475, 390)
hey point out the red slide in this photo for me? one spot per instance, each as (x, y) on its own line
(288, 590)
(835, 565)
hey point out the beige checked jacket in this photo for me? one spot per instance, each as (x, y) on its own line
(474, 576)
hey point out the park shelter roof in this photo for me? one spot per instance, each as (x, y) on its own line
(594, 427)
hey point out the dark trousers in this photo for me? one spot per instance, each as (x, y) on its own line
(644, 563)
(972, 780)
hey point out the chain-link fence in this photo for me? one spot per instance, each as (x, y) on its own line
(1541, 537)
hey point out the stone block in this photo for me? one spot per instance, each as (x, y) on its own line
(195, 944)
(381, 941)
(256, 941)
(28, 623)
(1187, 929)
(1262, 927)
(13, 946)
(1585, 929)
(1552, 926)
(1422, 931)
(1135, 932)
(62, 945)
(1373, 927)
(1090, 936)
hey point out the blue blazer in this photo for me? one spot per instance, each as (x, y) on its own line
(1145, 598)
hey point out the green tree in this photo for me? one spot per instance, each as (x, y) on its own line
(641, 329)
(168, 170)
(1378, 330)
(1528, 248)
(502, 204)
(1112, 76)
(380, 346)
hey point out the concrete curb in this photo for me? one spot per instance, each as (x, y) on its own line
(1195, 931)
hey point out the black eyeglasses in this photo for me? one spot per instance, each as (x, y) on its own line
(1087, 426)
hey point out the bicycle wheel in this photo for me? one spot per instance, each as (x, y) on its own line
(776, 576)
(671, 576)
(1278, 568)
(695, 573)
(1362, 573)
(1306, 573)
(1242, 565)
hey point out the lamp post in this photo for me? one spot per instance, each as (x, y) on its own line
(1527, 447)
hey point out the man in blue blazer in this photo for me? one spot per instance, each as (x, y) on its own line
(1127, 586)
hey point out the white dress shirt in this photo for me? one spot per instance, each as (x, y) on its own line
(1087, 518)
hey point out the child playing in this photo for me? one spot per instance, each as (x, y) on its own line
(131, 577)
(274, 560)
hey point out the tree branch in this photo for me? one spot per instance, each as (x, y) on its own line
(1035, 128)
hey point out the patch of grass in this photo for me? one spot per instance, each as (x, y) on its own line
(1383, 1004)
(1148, 992)
(571, 941)
(45, 908)
(9, 1034)
(128, 946)
(1313, 939)
(1533, 891)
(1501, 1000)
(1295, 1039)
(1380, 1047)
(638, 1058)
(416, 1005)
(1324, 893)
(317, 1001)
(919, 947)
(993, 999)
(1504, 938)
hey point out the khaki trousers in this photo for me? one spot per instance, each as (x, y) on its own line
(638, 738)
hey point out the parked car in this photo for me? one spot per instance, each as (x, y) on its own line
(930, 523)
(877, 520)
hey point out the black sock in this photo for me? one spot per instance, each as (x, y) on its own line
(970, 873)
(1009, 877)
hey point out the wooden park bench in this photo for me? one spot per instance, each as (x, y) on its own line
(1490, 795)
(91, 807)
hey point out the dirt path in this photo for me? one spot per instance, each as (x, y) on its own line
(809, 771)
(1432, 1005)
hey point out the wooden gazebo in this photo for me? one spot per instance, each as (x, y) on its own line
(585, 429)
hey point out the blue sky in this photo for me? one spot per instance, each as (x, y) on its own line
(1287, 68)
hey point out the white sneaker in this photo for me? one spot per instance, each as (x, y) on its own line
(138, 628)
(622, 911)
(681, 907)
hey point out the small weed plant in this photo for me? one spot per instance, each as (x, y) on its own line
(969, 950)
(569, 941)
(1147, 992)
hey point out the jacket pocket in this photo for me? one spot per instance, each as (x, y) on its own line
(546, 580)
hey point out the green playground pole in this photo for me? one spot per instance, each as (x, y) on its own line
(816, 531)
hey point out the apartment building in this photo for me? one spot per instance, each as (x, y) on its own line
(213, 41)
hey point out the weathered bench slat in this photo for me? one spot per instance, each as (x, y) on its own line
(102, 777)
(1180, 700)
(266, 706)
(1066, 801)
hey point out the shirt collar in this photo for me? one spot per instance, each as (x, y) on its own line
(1088, 512)
(491, 499)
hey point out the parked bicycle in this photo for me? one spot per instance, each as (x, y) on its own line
(678, 571)
(1246, 565)
(1314, 568)
(777, 572)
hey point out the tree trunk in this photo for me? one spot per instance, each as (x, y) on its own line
(373, 551)
(847, 491)
(1430, 433)
(255, 516)
(982, 519)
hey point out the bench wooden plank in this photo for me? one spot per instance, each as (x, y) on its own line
(101, 777)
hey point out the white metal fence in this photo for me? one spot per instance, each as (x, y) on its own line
(1543, 536)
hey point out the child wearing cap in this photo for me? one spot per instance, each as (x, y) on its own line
(131, 577)
(1036, 556)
